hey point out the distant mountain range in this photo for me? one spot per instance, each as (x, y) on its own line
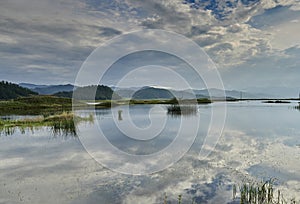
(149, 92)
(48, 89)
(66, 91)
(156, 92)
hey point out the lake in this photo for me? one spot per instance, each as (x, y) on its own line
(259, 141)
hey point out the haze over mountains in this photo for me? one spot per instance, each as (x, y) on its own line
(48, 89)
(149, 92)
(66, 91)
(156, 92)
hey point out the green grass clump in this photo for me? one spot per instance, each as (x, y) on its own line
(153, 101)
(172, 101)
(260, 193)
(204, 101)
(61, 124)
(46, 100)
(297, 107)
(182, 110)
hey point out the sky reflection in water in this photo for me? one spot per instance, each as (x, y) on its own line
(259, 141)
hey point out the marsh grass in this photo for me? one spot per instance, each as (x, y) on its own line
(276, 101)
(173, 101)
(179, 199)
(297, 107)
(182, 110)
(250, 193)
(35, 105)
(260, 193)
(60, 124)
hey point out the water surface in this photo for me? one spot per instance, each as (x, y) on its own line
(259, 141)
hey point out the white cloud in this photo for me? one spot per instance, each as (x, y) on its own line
(63, 33)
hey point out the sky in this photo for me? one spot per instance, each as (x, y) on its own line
(254, 44)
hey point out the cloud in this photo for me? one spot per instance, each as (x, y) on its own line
(49, 36)
(61, 34)
(210, 27)
(215, 26)
(277, 69)
(282, 24)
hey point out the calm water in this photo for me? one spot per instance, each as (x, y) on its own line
(259, 141)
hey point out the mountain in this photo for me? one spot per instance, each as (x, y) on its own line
(155, 92)
(84, 93)
(51, 89)
(12, 91)
(152, 93)
(64, 94)
(31, 86)
(218, 93)
(48, 89)
(125, 93)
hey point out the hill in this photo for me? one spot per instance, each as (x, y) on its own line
(125, 93)
(64, 94)
(152, 93)
(219, 94)
(85, 93)
(48, 89)
(52, 89)
(12, 91)
(31, 86)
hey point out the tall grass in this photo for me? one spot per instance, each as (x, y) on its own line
(260, 193)
(182, 110)
(250, 193)
(60, 124)
(297, 107)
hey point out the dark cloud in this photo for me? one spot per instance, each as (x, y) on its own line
(109, 32)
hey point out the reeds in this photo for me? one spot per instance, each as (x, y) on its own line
(259, 193)
(182, 110)
(250, 193)
(297, 107)
(60, 124)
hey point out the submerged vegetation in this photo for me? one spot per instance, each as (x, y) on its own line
(61, 124)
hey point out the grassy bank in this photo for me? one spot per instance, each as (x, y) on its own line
(171, 101)
(35, 105)
(63, 123)
(49, 105)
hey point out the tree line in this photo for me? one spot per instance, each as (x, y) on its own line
(9, 90)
